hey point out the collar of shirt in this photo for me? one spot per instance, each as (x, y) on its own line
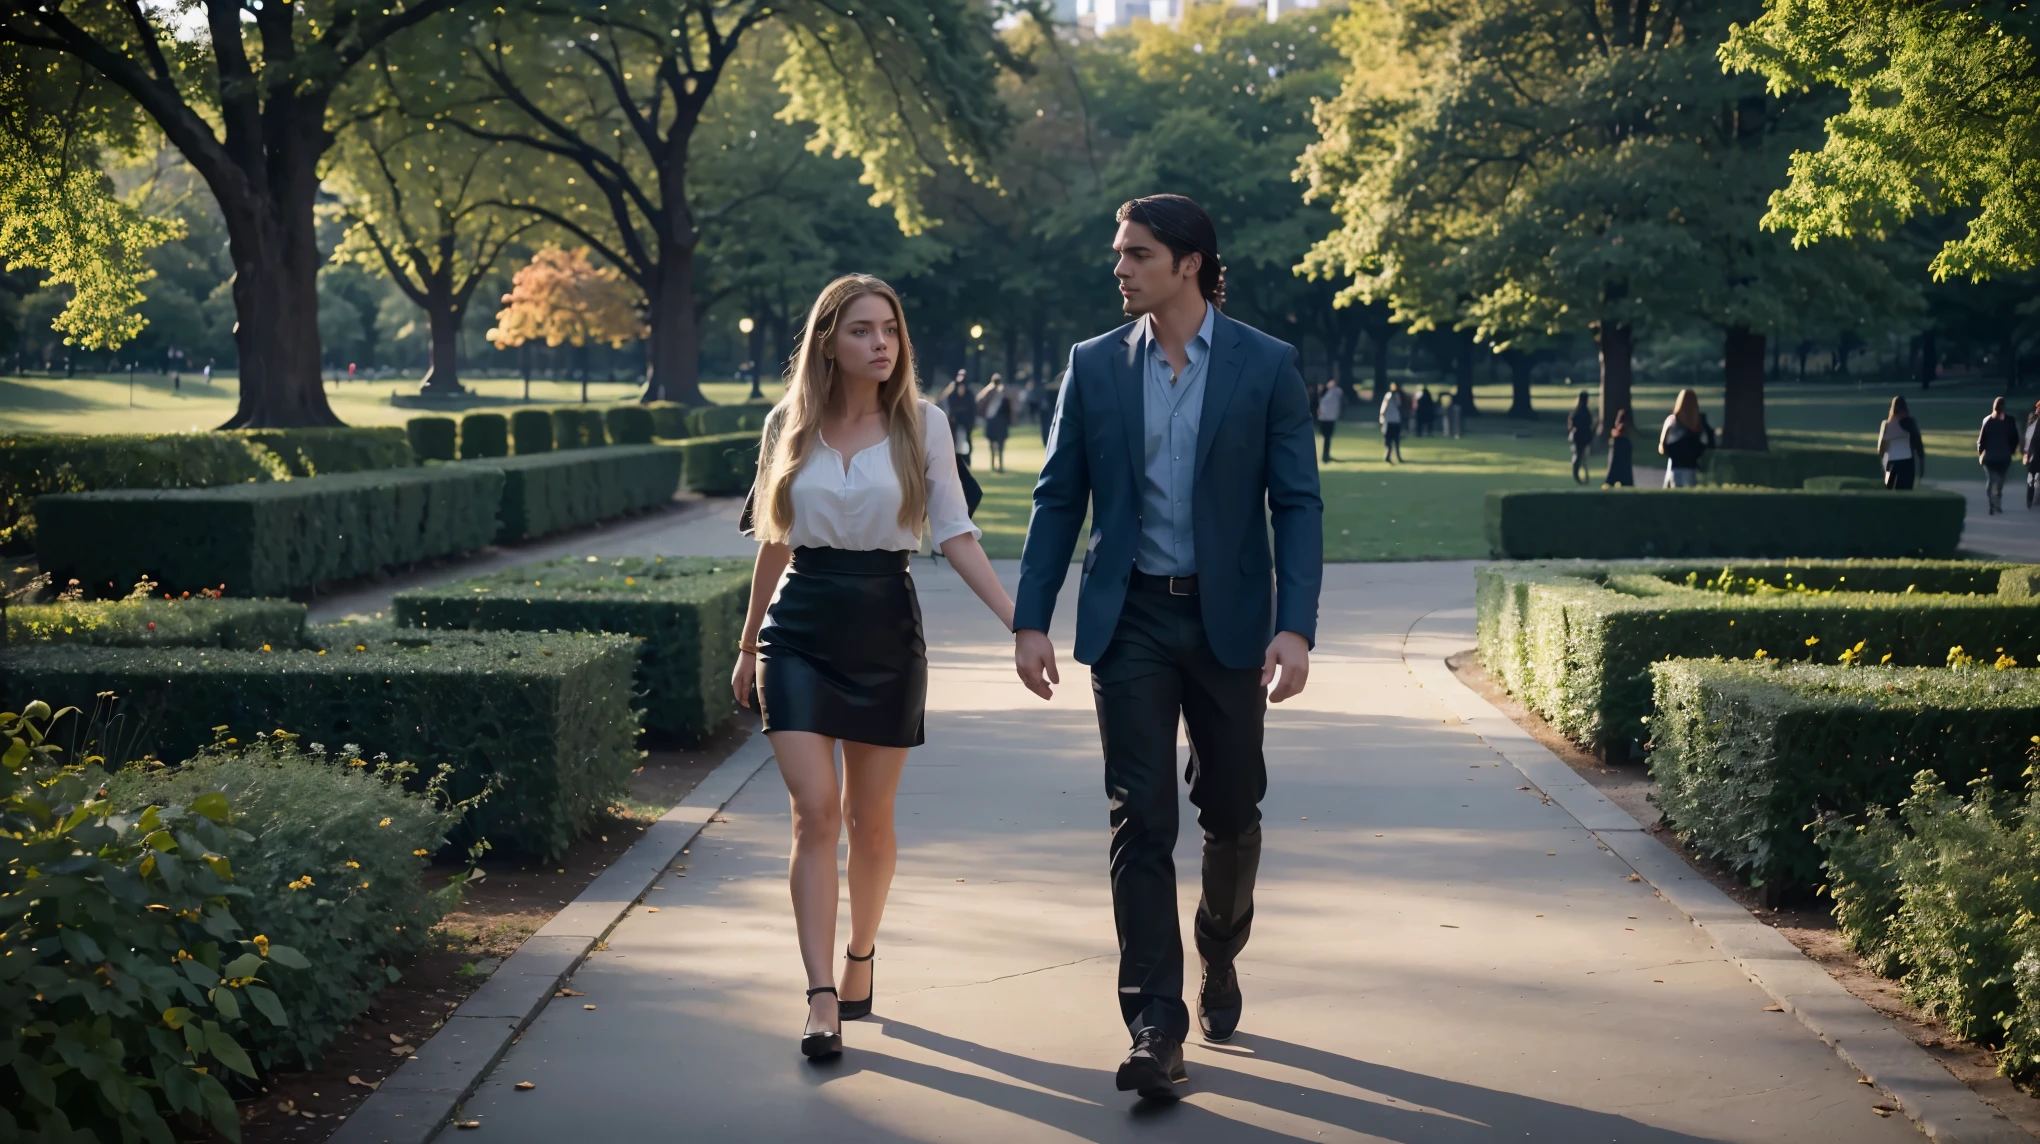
(1195, 349)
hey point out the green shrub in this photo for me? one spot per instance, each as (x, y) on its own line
(484, 435)
(269, 539)
(688, 610)
(1603, 524)
(1842, 484)
(549, 713)
(1746, 755)
(127, 985)
(330, 850)
(531, 430)
(577, 427)
(553, 492)
(1944, 898)
(1789, 468)
(432, 438)
(669, 418)
(31, 466)
(159, 623)
(719, 466)
(346, 449)
(1575, 641)
(719, 420)
(628, 425)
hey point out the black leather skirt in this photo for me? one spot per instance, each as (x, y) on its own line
(841, 652)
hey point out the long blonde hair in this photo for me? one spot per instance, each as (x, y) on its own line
(795, 424)
(1687, 410)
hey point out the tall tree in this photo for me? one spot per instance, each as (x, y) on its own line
(561, 298)
(245, 99)
(615, 94)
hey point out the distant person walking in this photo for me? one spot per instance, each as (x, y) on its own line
(1427, 412)
(1392, 423)
(995, 401)
(1579, 432)
(1621, 474)
(1684, 438)
(1899, 448)
(2029, 446)
(1330, 403)
(961, 406)
(1041, 403)
(1997, 442)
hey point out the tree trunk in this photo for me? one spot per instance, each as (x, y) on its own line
(1930, 359)
(1520, 367)
(1617, 356)
(2011, 356)
(1742, 412)
(674, 373)
(442, 376)
(1378, 339)
(273, 241)
(524, 361)
(1462, 395)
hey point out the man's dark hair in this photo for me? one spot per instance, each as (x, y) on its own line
(1184, 228)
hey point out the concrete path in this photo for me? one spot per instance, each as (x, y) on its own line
(1440, 956)
(2014, 535)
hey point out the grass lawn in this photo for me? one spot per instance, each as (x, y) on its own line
(1427, 509)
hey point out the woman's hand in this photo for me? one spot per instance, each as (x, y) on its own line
(744, 677)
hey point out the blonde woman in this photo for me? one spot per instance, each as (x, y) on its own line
(1685, 436)
(855, 469)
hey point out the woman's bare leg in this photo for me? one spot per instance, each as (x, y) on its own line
(807, 762)
(871, 779)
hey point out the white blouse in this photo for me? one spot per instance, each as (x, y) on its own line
(858, 508)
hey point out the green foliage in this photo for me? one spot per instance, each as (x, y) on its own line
(1748, 756)
(575, 427)
(1842, 484)
(546, 716)
(1575, 642)
(159, 623)
(432, 438)
(330, 848)
(1599, 524)
(323, 452)
(269, 539)
(688, 610)
(552, 492)
(127, 979)
(722, 420)
(719, 466)
(1789, 468)
(484, 435)
(669, 418)
(532, 431)
(31, 466)
(628, 425)
(1943, 116)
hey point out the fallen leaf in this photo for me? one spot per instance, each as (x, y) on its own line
(587, 1006)
(396, 1040)
(959, 879)
(1551, 853)
(467, 1124)
(1862, 1080)
(1633, 877)
(1522, 788)
(288, 1108)
(1443, 925)
(402, 1051)
(524, 1086)
(367, 1084)
(565, 992)
(1657, 981)
(651, 909)
(1781, 1009)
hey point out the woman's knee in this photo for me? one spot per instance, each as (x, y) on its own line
(869, 828)
(819, 822)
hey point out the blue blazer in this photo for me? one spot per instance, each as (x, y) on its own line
(1256, 462)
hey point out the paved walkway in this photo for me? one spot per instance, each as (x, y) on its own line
(2015, 535)
(1440, 956)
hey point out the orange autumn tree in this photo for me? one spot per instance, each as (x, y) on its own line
(561, 298)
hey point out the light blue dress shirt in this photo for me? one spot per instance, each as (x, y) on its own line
(1173, 406)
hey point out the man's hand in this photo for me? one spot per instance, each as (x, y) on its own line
(1291, 653)
(1034, 659)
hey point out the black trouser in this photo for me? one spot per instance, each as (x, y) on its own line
(1326, 429)
(1157, 670)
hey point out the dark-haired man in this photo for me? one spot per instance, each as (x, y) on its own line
(1183, 432)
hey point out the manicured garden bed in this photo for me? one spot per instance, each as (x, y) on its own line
(687, 610)
(544, 493)
(722, 465)
(1614, 524)
(160, 623)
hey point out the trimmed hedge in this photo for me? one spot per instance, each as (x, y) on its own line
(34, 465)
(719, 466)
(718, 420)
(269, 539)
(531, 431)
(669, 418)
(432, 438)
(1747, 755)
(577, 427)
(345, 449)
(628, 425)
(160, 623)
(1604, 524)
(1575, 641)
(688, 610)
(546, 714)
(1789, 468)
(1842, 484)
(553, 492)
(484, 435)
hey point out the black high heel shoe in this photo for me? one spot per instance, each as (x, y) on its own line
(855, 1010)
(825, 1043)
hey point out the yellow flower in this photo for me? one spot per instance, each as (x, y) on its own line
(1885, 660)
(261, 944)
(322, 651)
(353, 865)
(265, 647)
(384, 822)
(1812, 640)
(1761, 653)
(303, 883)
(361, 647)
(630, 579)
(420, 853)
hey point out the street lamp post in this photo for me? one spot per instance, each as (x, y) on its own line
(978, 331)
(746, 326)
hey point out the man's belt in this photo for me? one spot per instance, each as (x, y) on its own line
(1173, 585)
